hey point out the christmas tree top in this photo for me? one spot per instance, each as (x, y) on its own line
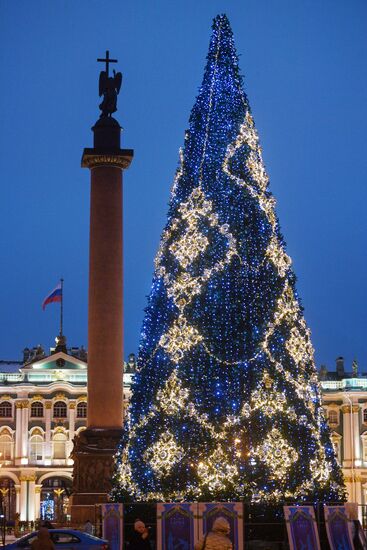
(226, 403)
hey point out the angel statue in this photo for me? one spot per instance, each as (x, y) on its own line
(109, 87)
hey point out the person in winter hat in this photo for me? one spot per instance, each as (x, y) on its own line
(217, 538)
(140, 537)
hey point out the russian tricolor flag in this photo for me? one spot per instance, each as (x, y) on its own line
(54, 296)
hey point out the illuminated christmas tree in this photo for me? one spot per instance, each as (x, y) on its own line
(226, 401)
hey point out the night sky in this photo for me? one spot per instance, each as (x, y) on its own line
(305, 73)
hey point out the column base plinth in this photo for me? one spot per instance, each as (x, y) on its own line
(93, 452)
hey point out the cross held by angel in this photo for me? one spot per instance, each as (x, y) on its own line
(109, 87)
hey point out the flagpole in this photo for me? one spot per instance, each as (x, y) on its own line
(61, 305)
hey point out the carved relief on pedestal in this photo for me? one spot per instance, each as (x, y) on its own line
(93, 460)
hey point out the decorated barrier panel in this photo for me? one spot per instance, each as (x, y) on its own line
(176, 526)
(180, 525)
(231, 511)
(112, 524)
(301, 528)
(338, 528)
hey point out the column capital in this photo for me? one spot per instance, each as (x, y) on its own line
(345, 408)
(48, 405)
(27, 477)
(92, 158)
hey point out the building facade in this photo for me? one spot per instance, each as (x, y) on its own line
(345, 403)
(43, 405)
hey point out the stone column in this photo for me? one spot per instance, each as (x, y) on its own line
(37, 506)
(358, 489)
(23, 498)
(18, 432)
(31, 497)
(48, 450)
(17, 499)
(95, 447)
(105, 330)
(72, 406)
(347, 436)
(357, 439)
(25, 435)
(348, 485)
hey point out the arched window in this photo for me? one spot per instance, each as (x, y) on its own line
(60, 410)
(36, 409)
(365, 416)
(333, 416)
(6, 447)
(5, 409)
(36, 448)
(59, 445)
(81, 410)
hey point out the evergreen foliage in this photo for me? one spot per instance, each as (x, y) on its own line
(226, 402)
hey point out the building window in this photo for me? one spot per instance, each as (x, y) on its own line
(36, 409)
(333, 416)
(36, 448)
(5, 409)
(59, 444)
(81, 410)
(60, 410)
(365, 416)
(6, 447)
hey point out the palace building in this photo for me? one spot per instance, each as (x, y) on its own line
(43, 405)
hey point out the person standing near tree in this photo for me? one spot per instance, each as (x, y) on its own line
(140, 537)
(88, 527)
(217, 538)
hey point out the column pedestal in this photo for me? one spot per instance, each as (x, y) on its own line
(93, 468)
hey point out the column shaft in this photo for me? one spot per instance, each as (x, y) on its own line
(71, 428)
(18, 430)
(48, 451)
(347, 446)
(105, 354)
(17, 499)
(31, 500)
(23, 500)
(38, 501)
(357, 438)
(25, 410)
